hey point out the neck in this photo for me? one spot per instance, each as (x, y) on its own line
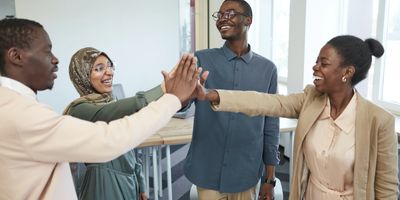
(239, 47)
(17, 75)
(339, 101)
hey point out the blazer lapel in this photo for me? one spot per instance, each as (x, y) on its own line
(308, 117)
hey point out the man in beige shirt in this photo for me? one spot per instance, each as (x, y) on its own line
(37, 143)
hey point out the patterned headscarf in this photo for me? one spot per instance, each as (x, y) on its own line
(80, 68)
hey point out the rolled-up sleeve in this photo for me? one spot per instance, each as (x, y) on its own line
(271, 141)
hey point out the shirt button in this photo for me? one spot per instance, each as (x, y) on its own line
(323, 152)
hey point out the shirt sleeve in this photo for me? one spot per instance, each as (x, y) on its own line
(271, 129)
(49, 137)
(117, 109)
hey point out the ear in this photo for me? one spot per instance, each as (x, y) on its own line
(349, 72)
(14, 56)
(248, 21)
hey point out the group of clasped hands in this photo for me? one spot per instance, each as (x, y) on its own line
(185, 80)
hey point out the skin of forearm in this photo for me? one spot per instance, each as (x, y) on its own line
(270, 172)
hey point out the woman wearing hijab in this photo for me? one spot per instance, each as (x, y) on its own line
(91, 72)
(345, 146)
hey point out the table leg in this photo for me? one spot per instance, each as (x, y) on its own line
(169, 176)
(155, 173)
(146, 169)
(291, 159)
(160, 191)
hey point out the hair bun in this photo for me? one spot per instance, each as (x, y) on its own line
(375, 47)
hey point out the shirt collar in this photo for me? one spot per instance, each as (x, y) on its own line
(17, 87)
(346, 120)
(326, 112)
(230, 55)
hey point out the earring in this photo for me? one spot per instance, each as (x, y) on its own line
(344, 79)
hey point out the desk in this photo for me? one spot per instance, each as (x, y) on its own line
(179, 131)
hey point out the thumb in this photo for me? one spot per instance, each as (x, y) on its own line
(203, 77)
(165, 74)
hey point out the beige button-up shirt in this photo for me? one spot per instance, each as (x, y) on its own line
(329, 153)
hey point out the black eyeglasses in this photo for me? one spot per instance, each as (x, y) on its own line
(226, 15)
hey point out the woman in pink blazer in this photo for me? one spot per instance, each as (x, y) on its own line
(345, 146)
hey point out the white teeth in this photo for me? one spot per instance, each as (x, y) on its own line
(225, 27)
(317, 78)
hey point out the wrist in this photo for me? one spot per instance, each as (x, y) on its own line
(271, 181)
(212, 96)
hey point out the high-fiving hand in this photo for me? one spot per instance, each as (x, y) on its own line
(200, 92)
(204, 94)
(183, 80)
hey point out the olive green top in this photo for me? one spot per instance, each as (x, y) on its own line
(122, 177)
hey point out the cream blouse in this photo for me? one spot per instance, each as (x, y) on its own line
(329, 154)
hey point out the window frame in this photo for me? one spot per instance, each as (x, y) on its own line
(379, 71)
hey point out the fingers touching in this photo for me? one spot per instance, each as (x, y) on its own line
(185, 78)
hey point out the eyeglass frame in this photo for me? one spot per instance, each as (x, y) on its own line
(104, 68)
(229, 14)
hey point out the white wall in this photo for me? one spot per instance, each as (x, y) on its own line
(7, 8)
(141, 37)
(215, 40)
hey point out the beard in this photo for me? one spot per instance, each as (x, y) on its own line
(230, 37)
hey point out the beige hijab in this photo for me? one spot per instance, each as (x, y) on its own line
(80, 68)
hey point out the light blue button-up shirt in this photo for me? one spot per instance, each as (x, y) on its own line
(229, 150)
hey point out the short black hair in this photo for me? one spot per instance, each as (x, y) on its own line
(246, 7)
(355, 51)
(15, 32)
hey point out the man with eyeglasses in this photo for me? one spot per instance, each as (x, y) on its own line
(229, 151)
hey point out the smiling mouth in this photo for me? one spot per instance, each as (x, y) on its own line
(225, 27)
(317, 78)
(107, 82)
